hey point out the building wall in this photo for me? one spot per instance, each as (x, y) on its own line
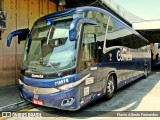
(20, 14)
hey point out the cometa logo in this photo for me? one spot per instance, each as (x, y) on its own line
(37, 76)
(123, 57)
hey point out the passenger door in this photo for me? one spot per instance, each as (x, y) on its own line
(88, 64)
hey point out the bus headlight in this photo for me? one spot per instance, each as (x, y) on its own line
(70, 85)
(73, 84)
(67, 86)
(20, 82)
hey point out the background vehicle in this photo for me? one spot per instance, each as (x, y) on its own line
(155, 51)
(76, 56)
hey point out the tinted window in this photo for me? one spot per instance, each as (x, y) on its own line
(115, 33)
(120, 35)
(102, 19)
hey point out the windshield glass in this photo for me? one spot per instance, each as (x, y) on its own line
(48, 48)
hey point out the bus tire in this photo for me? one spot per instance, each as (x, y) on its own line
(145, 72)
(110, 87)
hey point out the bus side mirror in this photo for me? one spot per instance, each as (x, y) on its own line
(22, 35)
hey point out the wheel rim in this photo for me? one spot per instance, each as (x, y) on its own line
(110, 85)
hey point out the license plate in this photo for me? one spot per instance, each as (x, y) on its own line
(37, 102)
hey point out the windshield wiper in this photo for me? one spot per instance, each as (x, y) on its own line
(24, 69)
(50, 64)
(28, 68)
(58, 73)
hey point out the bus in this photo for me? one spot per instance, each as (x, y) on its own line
(155, 51)
(75, 56)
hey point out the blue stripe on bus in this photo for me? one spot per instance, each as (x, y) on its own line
(46, 83)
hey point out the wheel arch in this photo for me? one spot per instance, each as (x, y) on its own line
(109, 94)
(115, 77)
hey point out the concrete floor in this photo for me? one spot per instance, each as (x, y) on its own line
(142, 95)
(9, 95)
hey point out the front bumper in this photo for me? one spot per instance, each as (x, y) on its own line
(66, 100)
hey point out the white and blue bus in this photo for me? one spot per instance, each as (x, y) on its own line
(75, 56)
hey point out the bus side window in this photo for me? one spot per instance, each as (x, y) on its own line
(89, 50)
(88, 47)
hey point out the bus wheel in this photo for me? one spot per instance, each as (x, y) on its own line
(110, 87)
(145, 72)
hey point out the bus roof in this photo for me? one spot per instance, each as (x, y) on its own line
(73, 10)
(57, 14)
(82, 9)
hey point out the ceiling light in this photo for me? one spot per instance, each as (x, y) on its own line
(62, 2)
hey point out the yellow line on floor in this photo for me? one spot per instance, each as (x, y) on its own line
(20, 111)
(27, 108)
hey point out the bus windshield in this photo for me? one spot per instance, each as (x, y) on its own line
(48, 48)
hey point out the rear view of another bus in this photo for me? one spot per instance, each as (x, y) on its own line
(155, 53)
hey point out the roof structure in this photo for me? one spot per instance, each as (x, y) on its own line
(128, 16)
(149, 29)
(146, 25)
(109, 5)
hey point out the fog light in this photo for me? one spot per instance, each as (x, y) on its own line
(67, 102)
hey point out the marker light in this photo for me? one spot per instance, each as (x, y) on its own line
(49, 22)
(72, 34)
